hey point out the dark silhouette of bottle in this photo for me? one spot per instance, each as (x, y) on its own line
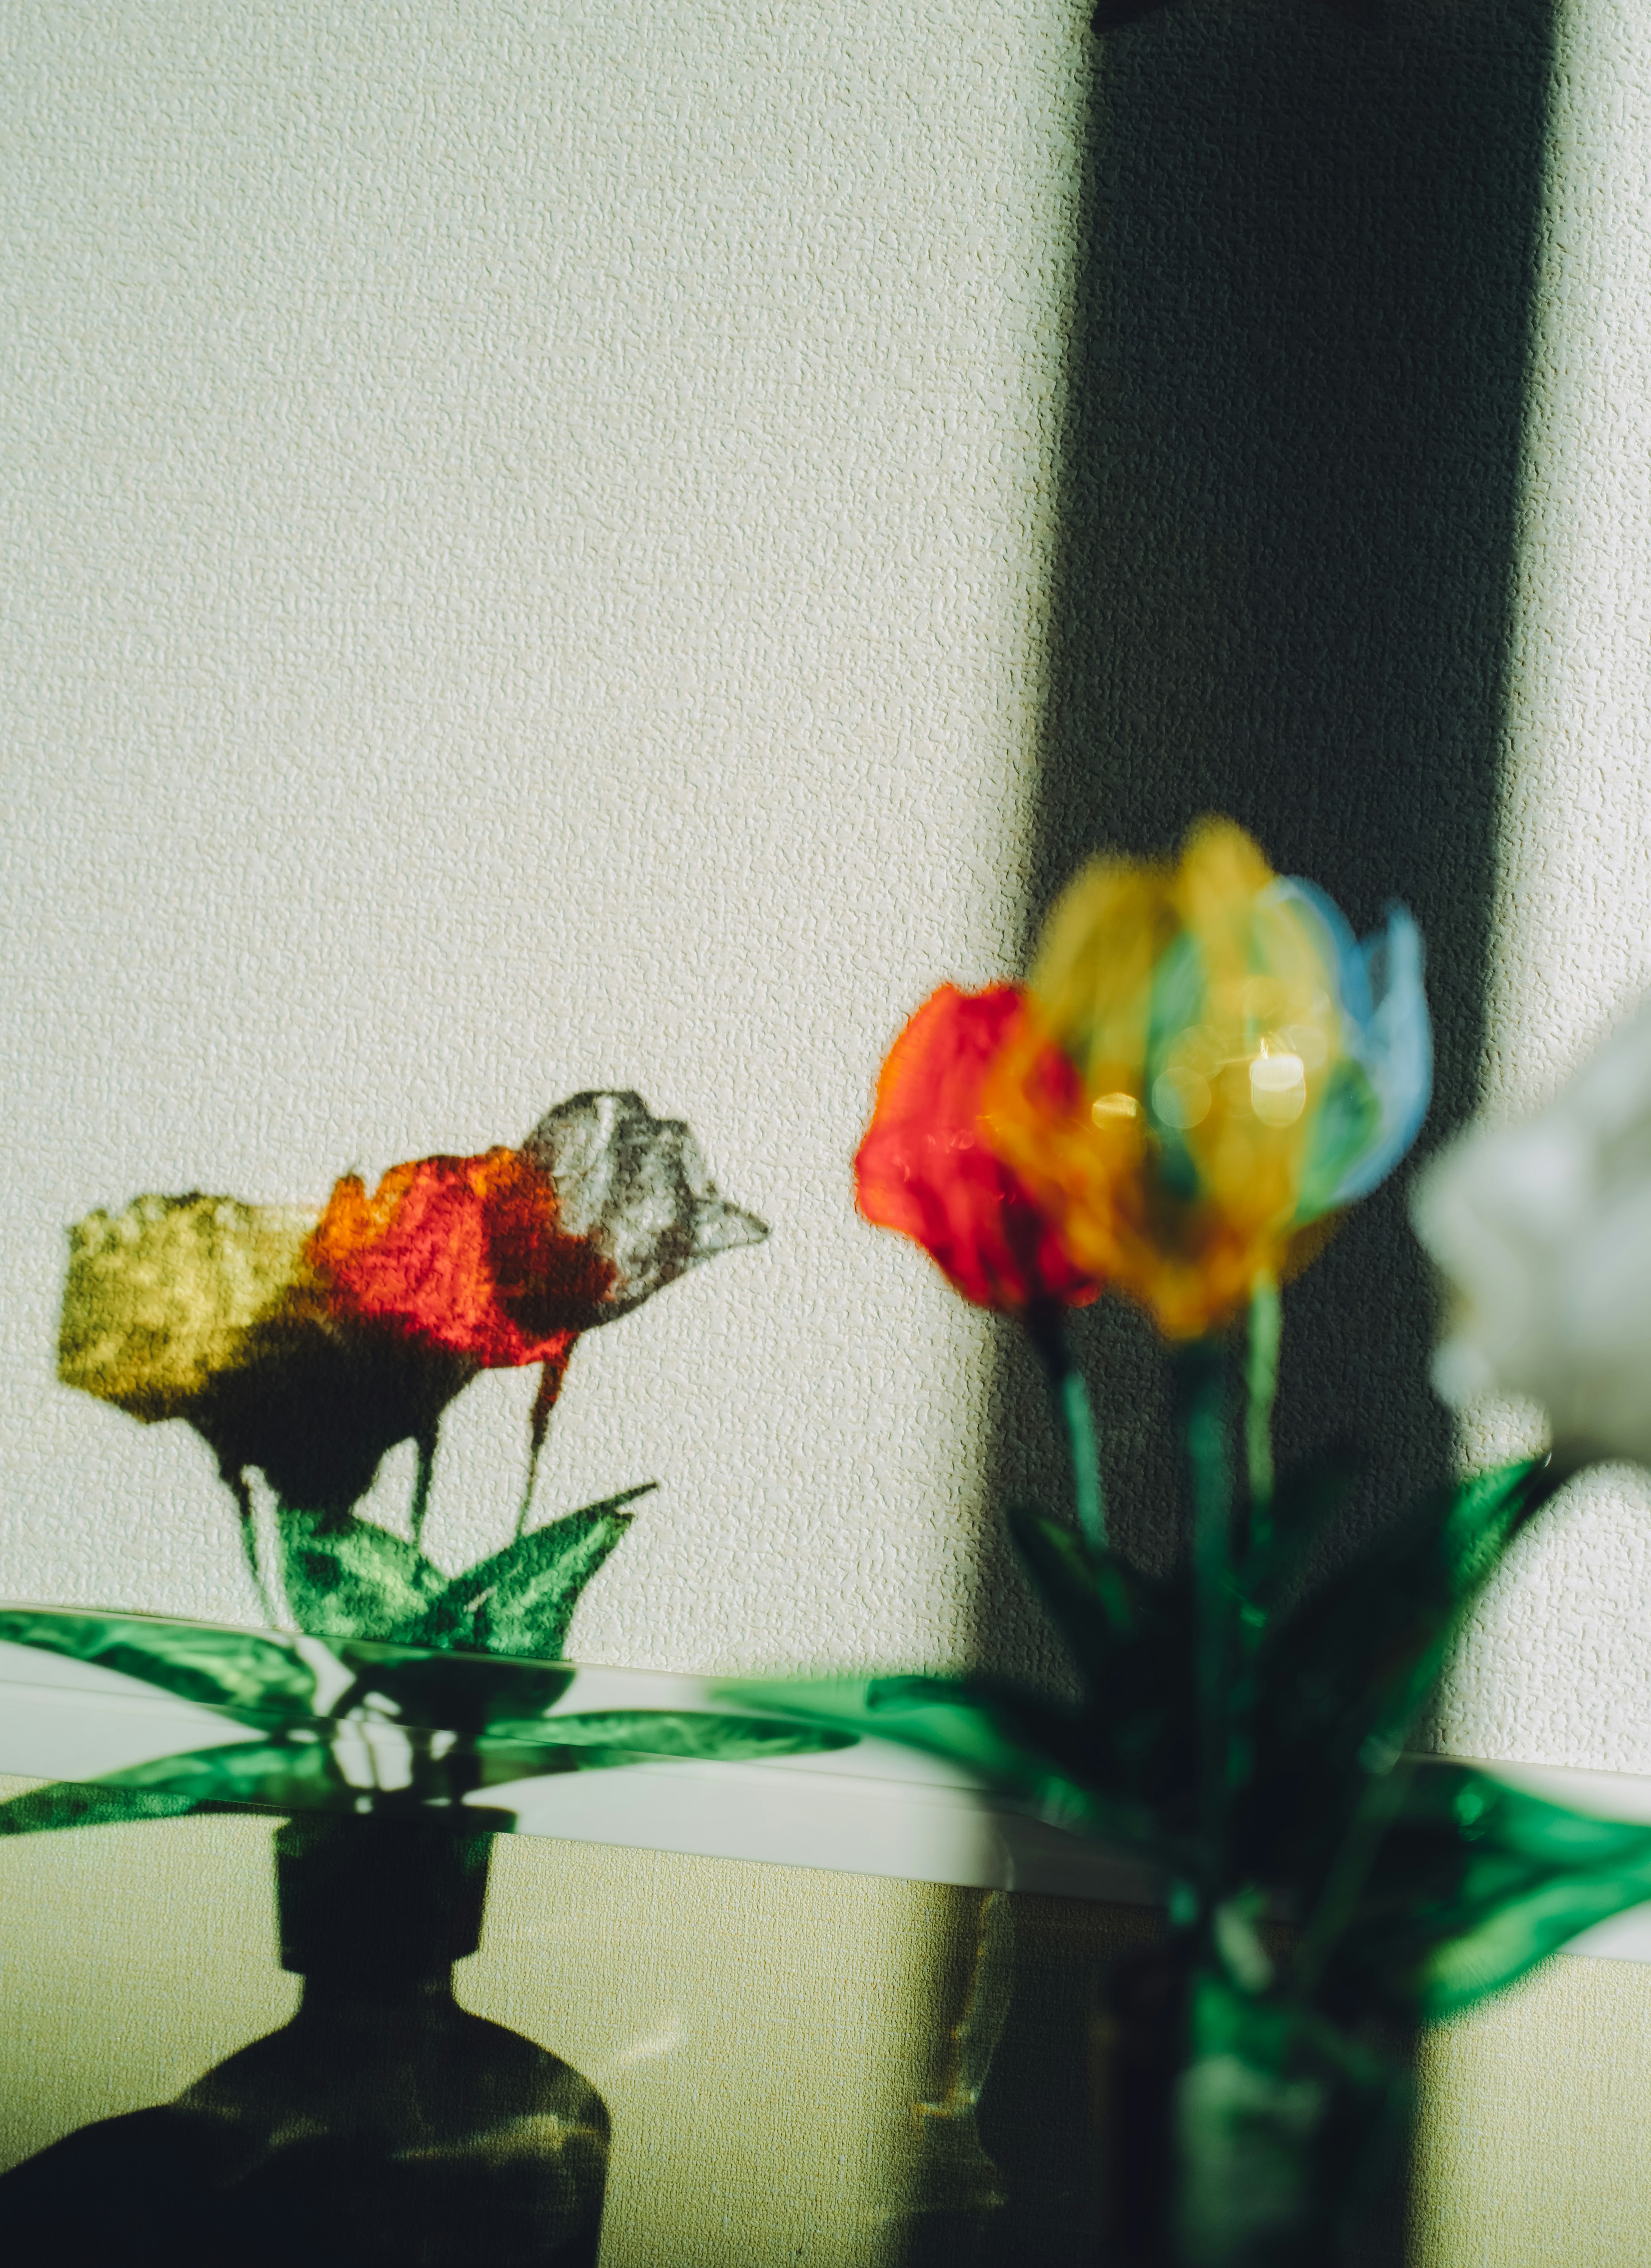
(383, 2127)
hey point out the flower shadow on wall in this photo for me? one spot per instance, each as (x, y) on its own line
(1203, 1070)
(385, 2121)
(307, 1347)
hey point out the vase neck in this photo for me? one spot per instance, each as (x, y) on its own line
(328, 1991)
(389, 1898)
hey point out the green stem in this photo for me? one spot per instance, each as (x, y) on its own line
(552, 1370)
(1047, 1328)
(240, 1489)
(1350, 1870)
(425, 1443)
(1261, 1385)
(1202, 1378)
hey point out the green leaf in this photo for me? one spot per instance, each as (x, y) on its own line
(521, 1600)
(1520, 1932)
(1342, 1681)
(1096, 1600)
(1133, 1638)
(1015, 1744)
(600, 1737)
(249, 1678)
(1484, 1516)
(346, 1578)
(1305, 1506)
(1477, 1881)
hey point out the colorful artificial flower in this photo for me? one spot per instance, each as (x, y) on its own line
(1244, 1069)
(1204, 1069)
(926, 1169)
(1544, 1231)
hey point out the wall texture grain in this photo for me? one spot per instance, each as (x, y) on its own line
(530, 538)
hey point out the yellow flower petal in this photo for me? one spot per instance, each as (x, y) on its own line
(1202, 998)
(163, 1298)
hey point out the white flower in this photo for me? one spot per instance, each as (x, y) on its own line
(1543, 1231)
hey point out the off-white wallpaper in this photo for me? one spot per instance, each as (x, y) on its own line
(529, 540)
(528, 534)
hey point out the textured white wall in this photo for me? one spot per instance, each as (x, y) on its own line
(528, 534)
(1559, 1667)
(529, 540)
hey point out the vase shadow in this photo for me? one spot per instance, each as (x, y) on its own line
(384, 2125)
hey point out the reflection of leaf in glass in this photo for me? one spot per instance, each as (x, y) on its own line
(452, 1692)
(276, 1775)
(599, 1737)
(68, 1803)
(346, 1578)
(249, 1677)
(521, 1600)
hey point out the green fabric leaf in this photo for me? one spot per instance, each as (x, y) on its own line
(1340, 1683)
(1306, 1506)
(1096, 1600)
(249, 1677)
(1133, 1638)
(605, 1736)
(521, 1600)
(346, 1578)
(1516, 1935)
(1476, 1881)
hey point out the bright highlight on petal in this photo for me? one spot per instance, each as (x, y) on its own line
(1277, 1088)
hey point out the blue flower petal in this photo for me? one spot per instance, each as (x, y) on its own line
(1385, 1032)
(1398, 1054)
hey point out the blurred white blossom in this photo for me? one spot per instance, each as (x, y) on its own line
(1544, 1233)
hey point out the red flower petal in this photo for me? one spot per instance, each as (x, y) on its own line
(463, 1253)
(924, 1168)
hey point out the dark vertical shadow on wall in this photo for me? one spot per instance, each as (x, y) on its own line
(1303, 318)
